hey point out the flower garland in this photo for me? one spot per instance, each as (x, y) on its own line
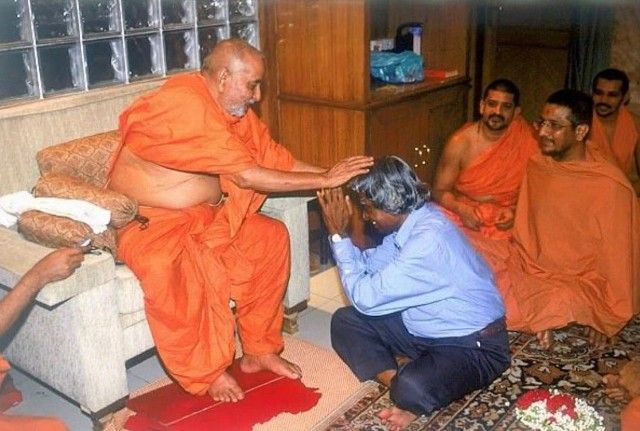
(545, 410)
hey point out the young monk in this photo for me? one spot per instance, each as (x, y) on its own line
(575, 252)
(55, 266)
(423, 295)
(200, 163)
(616, 131)
(482, 165)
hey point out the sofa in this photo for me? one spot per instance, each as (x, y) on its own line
(81, 332)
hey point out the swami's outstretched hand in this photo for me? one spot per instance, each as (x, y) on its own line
(346, 169)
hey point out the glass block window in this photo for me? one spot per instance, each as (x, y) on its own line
(52, 47)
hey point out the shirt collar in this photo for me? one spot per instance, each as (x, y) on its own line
(402, 235)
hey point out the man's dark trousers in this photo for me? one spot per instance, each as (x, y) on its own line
(441, 370)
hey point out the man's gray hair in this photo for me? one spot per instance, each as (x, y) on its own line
(391, 186)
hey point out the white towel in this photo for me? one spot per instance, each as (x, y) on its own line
(14, 204)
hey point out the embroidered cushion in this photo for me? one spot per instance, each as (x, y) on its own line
(54, 231)
(88, 159)
(123, 209)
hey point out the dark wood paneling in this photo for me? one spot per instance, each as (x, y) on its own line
(322, 49)
(321, 134)
(417, 129)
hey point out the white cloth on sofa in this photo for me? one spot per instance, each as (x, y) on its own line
(14, 204)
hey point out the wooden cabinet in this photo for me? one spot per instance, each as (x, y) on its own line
(325, 105)
(417, 127)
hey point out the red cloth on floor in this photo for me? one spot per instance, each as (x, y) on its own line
(266, 395)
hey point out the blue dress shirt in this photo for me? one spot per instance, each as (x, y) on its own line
(428, 272)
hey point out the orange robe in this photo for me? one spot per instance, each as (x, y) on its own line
(192, 261)
(574, 255)
(630, 416)
(625, 138)
(25, 423)
(497, 173)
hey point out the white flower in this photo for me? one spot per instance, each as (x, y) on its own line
(556, 411)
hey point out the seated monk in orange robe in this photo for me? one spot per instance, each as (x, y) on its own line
(199, 162)
(616, 131)
(55, 266)
(482, 165)
(623, 387)
(574, 255)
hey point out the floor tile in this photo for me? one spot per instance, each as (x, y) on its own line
(39, 400)
(315, 328)
(326, 284)
(134, 382)
(148, 369)
(331, 305)
(315, 302)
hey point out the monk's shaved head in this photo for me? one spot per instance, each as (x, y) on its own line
(233, 72)
(228, 54)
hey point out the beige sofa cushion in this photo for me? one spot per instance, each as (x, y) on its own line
(129, 293)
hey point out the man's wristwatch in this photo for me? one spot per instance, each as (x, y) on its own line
(335, 238)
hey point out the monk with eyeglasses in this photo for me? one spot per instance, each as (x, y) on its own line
(574, 254)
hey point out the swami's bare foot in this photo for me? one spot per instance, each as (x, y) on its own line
(545, 339)
(225, 389)
(395, 418)
(270, 362)
(596, 339)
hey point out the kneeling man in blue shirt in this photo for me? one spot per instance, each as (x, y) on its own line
(427, 320)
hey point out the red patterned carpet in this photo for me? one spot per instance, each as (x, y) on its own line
(571, 366)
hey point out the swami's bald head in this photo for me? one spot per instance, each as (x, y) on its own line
(234, 71)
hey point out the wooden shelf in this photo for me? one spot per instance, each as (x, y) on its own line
(389, 93)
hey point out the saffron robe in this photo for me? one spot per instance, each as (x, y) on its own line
(625, 137)
(574, 254)
(630, 380)
(497, 173)
(630, 416)
(25, 423)
(192, 261)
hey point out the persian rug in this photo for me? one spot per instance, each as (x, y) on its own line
(322, 370)
(570, 366)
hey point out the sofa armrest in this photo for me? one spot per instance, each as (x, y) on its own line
(292, 211)
(19, 255)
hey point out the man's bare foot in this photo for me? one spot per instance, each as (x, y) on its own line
(385, 377)
(596, 339)
(270, 362)
(545, 339)
(225, 389)
(401, 360)
(614, 388)
(395, 418)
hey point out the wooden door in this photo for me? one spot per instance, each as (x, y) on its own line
(527, 42)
